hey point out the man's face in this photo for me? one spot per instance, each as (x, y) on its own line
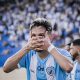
(38, 33)
(74, 50)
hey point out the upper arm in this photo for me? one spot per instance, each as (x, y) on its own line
(66, 54)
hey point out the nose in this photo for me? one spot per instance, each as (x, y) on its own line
(36, 37)
(39, 37)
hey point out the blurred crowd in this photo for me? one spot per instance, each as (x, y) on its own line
(15, 21)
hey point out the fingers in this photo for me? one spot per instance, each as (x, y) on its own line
(40, 41)
(36, 43)
(38, 49)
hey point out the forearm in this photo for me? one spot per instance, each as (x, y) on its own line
(62, 60)
(12, 62)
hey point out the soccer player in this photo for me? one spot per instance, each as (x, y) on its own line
(40, 57)
(74, 49)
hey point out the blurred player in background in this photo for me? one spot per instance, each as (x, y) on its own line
(74, 49)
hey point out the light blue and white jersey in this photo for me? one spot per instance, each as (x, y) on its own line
(71, 75)
(43, 69)
(77, 71)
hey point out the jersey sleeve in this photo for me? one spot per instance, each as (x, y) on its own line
(66, 54)
(60, 73)
(25, 61)
(22, 62)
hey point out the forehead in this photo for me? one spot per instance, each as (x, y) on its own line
(75, 46)
(38, 29)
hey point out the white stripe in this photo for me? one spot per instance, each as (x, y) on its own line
(73, 71)
(33, 67)
(50, 63)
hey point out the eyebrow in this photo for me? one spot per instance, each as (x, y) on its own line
(40, 33)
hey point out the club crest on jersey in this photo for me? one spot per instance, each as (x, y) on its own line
(50, 71)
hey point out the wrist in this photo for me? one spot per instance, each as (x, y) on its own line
(26, 49)
(50, 47)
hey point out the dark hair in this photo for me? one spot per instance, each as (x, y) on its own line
(42, 22)
(76, 42)
(55, 28)
(69, 44)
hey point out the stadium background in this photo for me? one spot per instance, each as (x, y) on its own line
(16, 16)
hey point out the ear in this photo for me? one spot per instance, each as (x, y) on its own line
(51, 37)
(48, 36)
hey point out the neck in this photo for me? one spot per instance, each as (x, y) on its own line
(43, 54)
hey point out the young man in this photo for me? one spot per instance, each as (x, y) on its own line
(42, 60)
(74, 49)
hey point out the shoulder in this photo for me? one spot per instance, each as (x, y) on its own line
(27, 58)
(29, 55)
(64, 52)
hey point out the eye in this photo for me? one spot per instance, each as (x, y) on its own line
(33, 35)
(42, 35)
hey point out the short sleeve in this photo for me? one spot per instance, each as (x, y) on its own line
(22, 62)
(65, 53)
(59, 71)
(25, 61)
